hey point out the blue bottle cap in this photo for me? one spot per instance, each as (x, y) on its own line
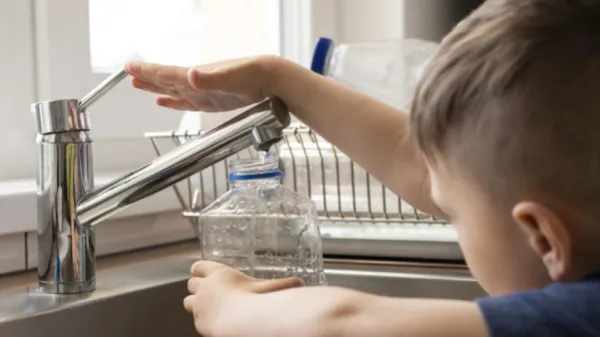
(253, 176)
(320, 55)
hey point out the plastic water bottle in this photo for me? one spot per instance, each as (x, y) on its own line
(387, 70)
(262, 228)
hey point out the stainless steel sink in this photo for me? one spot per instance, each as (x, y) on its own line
(145, 299)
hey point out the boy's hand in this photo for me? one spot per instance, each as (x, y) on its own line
(226, 302)
(216, 291)
(221, 86)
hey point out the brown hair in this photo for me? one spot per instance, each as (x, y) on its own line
(513, 98)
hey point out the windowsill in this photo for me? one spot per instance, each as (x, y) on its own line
(19, 211)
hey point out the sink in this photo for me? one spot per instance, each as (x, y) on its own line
(145, 299)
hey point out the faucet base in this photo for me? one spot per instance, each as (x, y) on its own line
(67, 288)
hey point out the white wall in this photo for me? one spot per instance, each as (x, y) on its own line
(17, 91)
(361, 20)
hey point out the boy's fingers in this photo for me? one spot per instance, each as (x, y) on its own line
(193, 284)
(133, 68)
(175, 103)
(171, 74)
(188, 303)
(139, 83)
(146, 71)
(157, 73)
(206, 268)
(277, 285)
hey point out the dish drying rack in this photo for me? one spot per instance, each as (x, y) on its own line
(358, 215)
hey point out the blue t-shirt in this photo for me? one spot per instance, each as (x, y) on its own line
(559, 310)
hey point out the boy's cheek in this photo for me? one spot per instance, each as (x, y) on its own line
(501, 260)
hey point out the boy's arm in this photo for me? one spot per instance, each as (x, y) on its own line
(372, 133)
(332, 312)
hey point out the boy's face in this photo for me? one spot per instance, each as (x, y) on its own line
(494, 246)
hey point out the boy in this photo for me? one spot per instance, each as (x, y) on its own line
(502, 141)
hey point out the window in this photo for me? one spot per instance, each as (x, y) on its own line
(96, 35)
(182, 32)
(17, 91)
(62, 49)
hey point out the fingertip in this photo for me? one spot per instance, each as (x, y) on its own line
(163, 102)
(298, 282)
(294, 282)
(188, 302)
(195, 267)
(175, 103)
(267, 286)
(133, 68)
(166, 101)
(193, 284)
(203, 268)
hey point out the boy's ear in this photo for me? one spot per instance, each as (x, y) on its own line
(548, 236)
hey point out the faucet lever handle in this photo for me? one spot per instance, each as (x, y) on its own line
(69, 114)
(102, 89)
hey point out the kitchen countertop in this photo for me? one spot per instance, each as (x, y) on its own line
(112, 261)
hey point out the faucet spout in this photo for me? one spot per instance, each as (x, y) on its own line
(260, 127)
(69, 207)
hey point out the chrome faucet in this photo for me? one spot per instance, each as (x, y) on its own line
(68, 207)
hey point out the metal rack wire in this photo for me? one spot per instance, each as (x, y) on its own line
(358, 215)
(342, 190)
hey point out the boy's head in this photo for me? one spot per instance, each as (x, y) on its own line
(508, 119)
